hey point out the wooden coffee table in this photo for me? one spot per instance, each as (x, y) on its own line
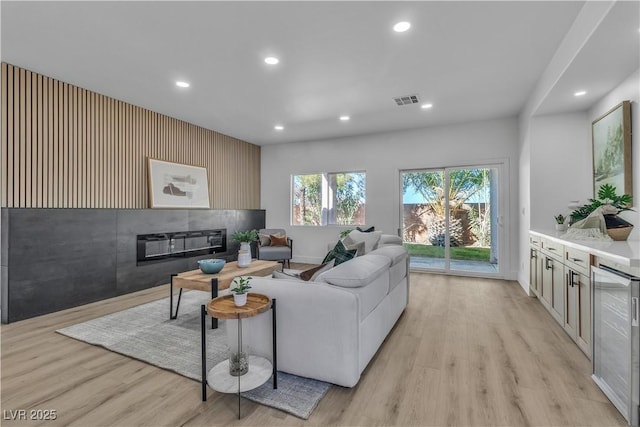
(197, 280)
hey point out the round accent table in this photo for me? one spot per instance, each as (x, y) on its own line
(260, 369)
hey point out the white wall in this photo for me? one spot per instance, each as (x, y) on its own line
(524, 205)
(560, 166)
(382, 156)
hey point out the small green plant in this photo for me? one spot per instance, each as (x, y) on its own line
(560, 219)
(245, 236)
(242, 285)
(606, 196)
(345, 233)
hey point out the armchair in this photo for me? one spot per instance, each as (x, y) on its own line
(280, 250)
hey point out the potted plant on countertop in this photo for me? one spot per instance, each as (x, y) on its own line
(612, 205)
(560, 225)
(240, 290)
(245, 238)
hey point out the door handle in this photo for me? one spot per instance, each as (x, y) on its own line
(572, 274)
(548, 263)
(634, 311)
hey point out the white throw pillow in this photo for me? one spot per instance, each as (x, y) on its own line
(370, 239)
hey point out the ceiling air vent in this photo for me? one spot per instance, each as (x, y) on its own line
(406, 100)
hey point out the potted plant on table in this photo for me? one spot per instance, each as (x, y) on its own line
(245, 238)
(612, 204)
(240, 290)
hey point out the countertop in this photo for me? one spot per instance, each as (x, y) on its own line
(626, 252)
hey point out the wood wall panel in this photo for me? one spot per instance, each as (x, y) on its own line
(67, 147)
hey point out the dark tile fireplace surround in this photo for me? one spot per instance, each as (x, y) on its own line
(53, 259)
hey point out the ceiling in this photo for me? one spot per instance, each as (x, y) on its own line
(472, 60)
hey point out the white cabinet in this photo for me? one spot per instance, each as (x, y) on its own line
(553, 278)
(577, 315)
(559, 277)
(553, 286)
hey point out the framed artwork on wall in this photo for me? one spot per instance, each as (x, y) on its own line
(175, 185)
(611, 136)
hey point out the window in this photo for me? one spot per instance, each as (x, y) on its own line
(329, 199)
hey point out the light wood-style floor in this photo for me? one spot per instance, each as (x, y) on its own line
(466, 352)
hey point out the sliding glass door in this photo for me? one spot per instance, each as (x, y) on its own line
(450, 219)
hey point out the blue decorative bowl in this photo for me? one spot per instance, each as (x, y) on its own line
(211, 266)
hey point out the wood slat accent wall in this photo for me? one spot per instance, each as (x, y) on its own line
(68, 147)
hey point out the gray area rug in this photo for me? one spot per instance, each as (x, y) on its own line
(146, 333)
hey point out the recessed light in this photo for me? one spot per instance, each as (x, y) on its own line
(344, 118)
(271, 60)
(401, 27)
(580, 93)
(182, 84)
(425, 106)
(278, 127)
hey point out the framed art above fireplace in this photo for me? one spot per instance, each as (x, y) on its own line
(176, 185)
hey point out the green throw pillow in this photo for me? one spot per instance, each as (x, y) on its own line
(340, 253)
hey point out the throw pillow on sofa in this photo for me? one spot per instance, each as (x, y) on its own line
(265, 240)
(359, 247)
(311, 274)
(370, 239)
(340, 253)
(284, 275)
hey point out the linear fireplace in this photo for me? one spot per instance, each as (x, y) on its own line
(159, 247)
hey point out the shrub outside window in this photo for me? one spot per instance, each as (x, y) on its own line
(329, 199)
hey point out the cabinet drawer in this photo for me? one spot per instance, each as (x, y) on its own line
(553, 248)
(578, 260)
(535, 241)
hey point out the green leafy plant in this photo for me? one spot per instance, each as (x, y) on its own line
(242, 285)
(560, 219)
(606, 196)
(345, 233)
(245, 236)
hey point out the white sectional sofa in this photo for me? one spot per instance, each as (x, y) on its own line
(330, 329)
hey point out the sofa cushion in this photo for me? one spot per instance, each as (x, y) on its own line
(275, 253)
(370, 239)
(389, 239)
(340, 253)
(358, 272)
(370, 296)
(395, 253)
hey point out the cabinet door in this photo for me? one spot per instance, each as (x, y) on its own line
(534, 271)
(557, 300)
(546, 282)
(583, 332)
(553, 288)
(571, 283)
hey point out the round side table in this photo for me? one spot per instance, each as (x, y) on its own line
(260, 369)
